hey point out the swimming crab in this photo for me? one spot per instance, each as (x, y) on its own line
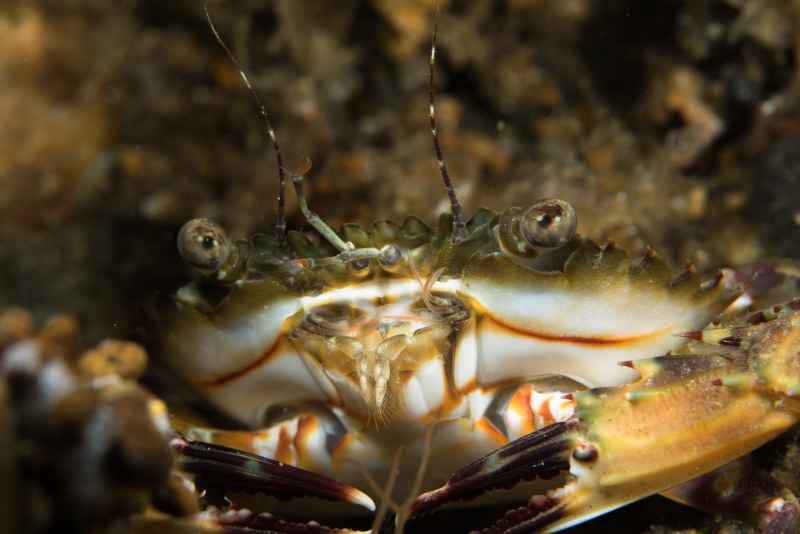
(504, 348)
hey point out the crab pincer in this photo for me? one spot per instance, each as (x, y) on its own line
(541, 454)
(687, 414)
(216, 467)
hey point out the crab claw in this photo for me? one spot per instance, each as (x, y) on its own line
(548, 454)
(685, 416)
(541, 454)
(223, 468)
(230, 522)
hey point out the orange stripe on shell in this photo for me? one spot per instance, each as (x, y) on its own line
(239, 373)
(488, 428)
(577, 340)
(307, 425)
(520, 407)
(284, 452)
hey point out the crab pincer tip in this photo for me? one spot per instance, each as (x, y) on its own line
(178, 444)
(428, 501)
(360, 498)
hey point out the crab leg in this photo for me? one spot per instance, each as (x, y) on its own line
(685, 416)
(740, 490)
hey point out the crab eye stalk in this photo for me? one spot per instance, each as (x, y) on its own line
(549, 223)
(359, 268)
(547, 226)
(205, 246)
(390, 256)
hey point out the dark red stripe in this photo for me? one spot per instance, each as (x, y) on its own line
(235, 375)
(578, 340)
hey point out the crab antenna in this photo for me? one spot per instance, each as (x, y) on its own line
(459, 229)
(280, 223)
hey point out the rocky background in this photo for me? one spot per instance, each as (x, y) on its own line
(668, 122)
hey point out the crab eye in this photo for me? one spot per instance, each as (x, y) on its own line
(549, 223)
(389, 256)
(359, 267)
(203, 244)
